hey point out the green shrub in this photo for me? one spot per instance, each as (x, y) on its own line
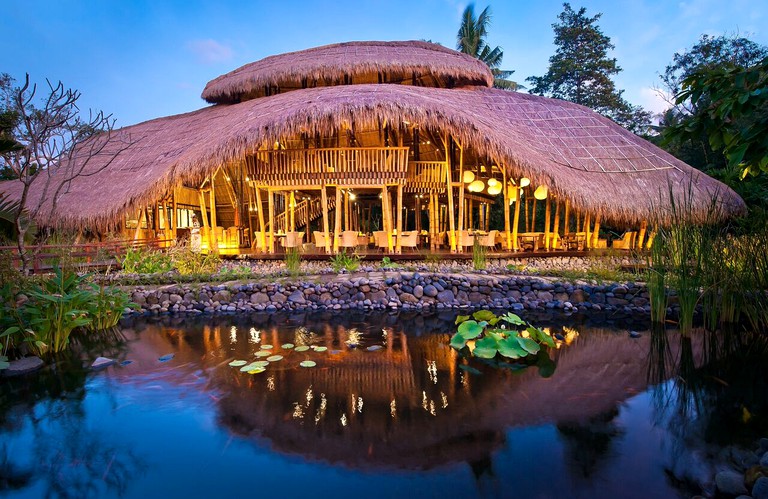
(146, 261)
(106, 306)
(479, 260)
(344, 261)
(293, 260)
(387, 263)
(188, 262)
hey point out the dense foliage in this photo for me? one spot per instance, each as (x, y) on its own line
(580, 71)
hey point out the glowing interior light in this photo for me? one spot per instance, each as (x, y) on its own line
(468, 177)
(541, 192)
(525, 182)
(476, 186)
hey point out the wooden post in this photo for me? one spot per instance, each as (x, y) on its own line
(516, 221)
(527, 214)
(451, 213)
(326, 223)
(462, 207)
(566, 222)
(432, 222)
(292, 202)
(337, 220)
(399, 218)
(533, 215)
(596, 230)
(271, 213)
(137, 232)
(507, 234)
(547, 219)
(162, 223)
(174, 216)
(214, 241)
(641, 234)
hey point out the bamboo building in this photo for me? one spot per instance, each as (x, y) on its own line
(387, 144)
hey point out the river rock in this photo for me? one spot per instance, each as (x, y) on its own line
(101, 363)
(445, 296)
(297, 297)
(23, 366)
(760, 489)
(430, 290)
(730, 482)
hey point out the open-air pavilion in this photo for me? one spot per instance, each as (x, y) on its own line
(382, 145)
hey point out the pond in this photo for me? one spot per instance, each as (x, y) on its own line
(387, 409)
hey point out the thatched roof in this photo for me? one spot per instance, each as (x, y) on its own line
(578, 154)
(412, 63)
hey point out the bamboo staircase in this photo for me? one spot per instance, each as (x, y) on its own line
(305, 212)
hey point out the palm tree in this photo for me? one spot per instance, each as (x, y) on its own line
(471, 40)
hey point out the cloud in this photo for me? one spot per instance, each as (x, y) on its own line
(210, 51)
(653, 100)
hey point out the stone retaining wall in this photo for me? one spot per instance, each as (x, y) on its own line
(396, 290)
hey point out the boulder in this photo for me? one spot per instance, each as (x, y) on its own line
(23, 366)
(730, 483)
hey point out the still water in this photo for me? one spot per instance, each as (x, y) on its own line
(389, 409)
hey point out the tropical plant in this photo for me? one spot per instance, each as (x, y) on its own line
(479, 256)
(580, 71)
(147, 261)
(187, 262)
(471, 39)
(105, 306)
(293, 260)
(387, 263)
(345, 261)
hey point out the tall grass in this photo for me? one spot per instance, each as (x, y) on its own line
(293, 260)
(479, 259)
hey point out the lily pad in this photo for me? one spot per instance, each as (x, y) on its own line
(302, 348)
(263, 353)
(266, 347)
(257, 370)
(238, 363)
(483, 315)
(470, 329)
(320, 349)
(335, 352)
(287, 346)
(458, 341)
(308, 363)
(373, 348)
(166, 358)
(260, 363)
(528, 345)
(486, 348)
(126, 362)
(275, 358)
(247, 368)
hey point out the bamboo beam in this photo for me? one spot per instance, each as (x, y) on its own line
(326, 223)
(137, 232)
(556, 229)
(507, 233)
(212, 194)
(271, 213)
(174, 216)
(262, 227)
(337, 220)
(586, 229)
(547, 219)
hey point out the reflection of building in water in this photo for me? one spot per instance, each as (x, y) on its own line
(407, 404)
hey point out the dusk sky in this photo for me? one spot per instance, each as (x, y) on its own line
(144, 59)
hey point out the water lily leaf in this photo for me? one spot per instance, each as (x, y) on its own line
(287, 346)
(256, 370)
(509, 347)
(486, 348)
(247, 368)
(260, 363)
(263, 353)
(266, 347)
(302, 348)
(320, 349)
(546, 365)
(458, 341)
(528, 345)
(335, 352)
(483, 315)
(470, 329)
(308, 363)
(373, 348)
(494, 321)
(238, 363)
(275, 358)
(513, 319)
(460, 319)
(166, 358)
(541, 336)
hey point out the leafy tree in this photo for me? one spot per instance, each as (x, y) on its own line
(471, 39)
(47, 144)
(580, 71)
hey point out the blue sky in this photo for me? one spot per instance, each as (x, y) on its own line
(143, 59)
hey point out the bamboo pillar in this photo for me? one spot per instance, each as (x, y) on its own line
(137, 232)
(262, 228)
(399, 218)
(162, 222)
(326, 223)
(432, 222)
(527, 215)
(596, 230)
(292, 202)
(271, 208)
(641, 234)
(417, 213)
(516, 221)
(471, 224)
(588, 242)
(451, 213)
(566, 221)
(533, 215)
(547, 219)
(507, 234)
(174, 216)
(337, 220)
(462, 207)
(556, 228)
(204, 216)
(212, 194)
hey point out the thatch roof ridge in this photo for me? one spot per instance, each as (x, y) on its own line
(579, 154)
(329, 62)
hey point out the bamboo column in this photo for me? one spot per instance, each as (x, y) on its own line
(174, 216)
(596, 230)
(262, 228)
(292, 202)
(588, 242)
(161, 221)
(326, 229)
(417, 213)
(566, 221)
(337, 220)
(527, 215)
(547, 219)
(271, 208)
(533, 215)
(399, 218)
(507, 234)
(556, 228)
(516, 222)
(433, 229)
(212, 195)
(451, 214)
(462, 202)
(137, 232)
